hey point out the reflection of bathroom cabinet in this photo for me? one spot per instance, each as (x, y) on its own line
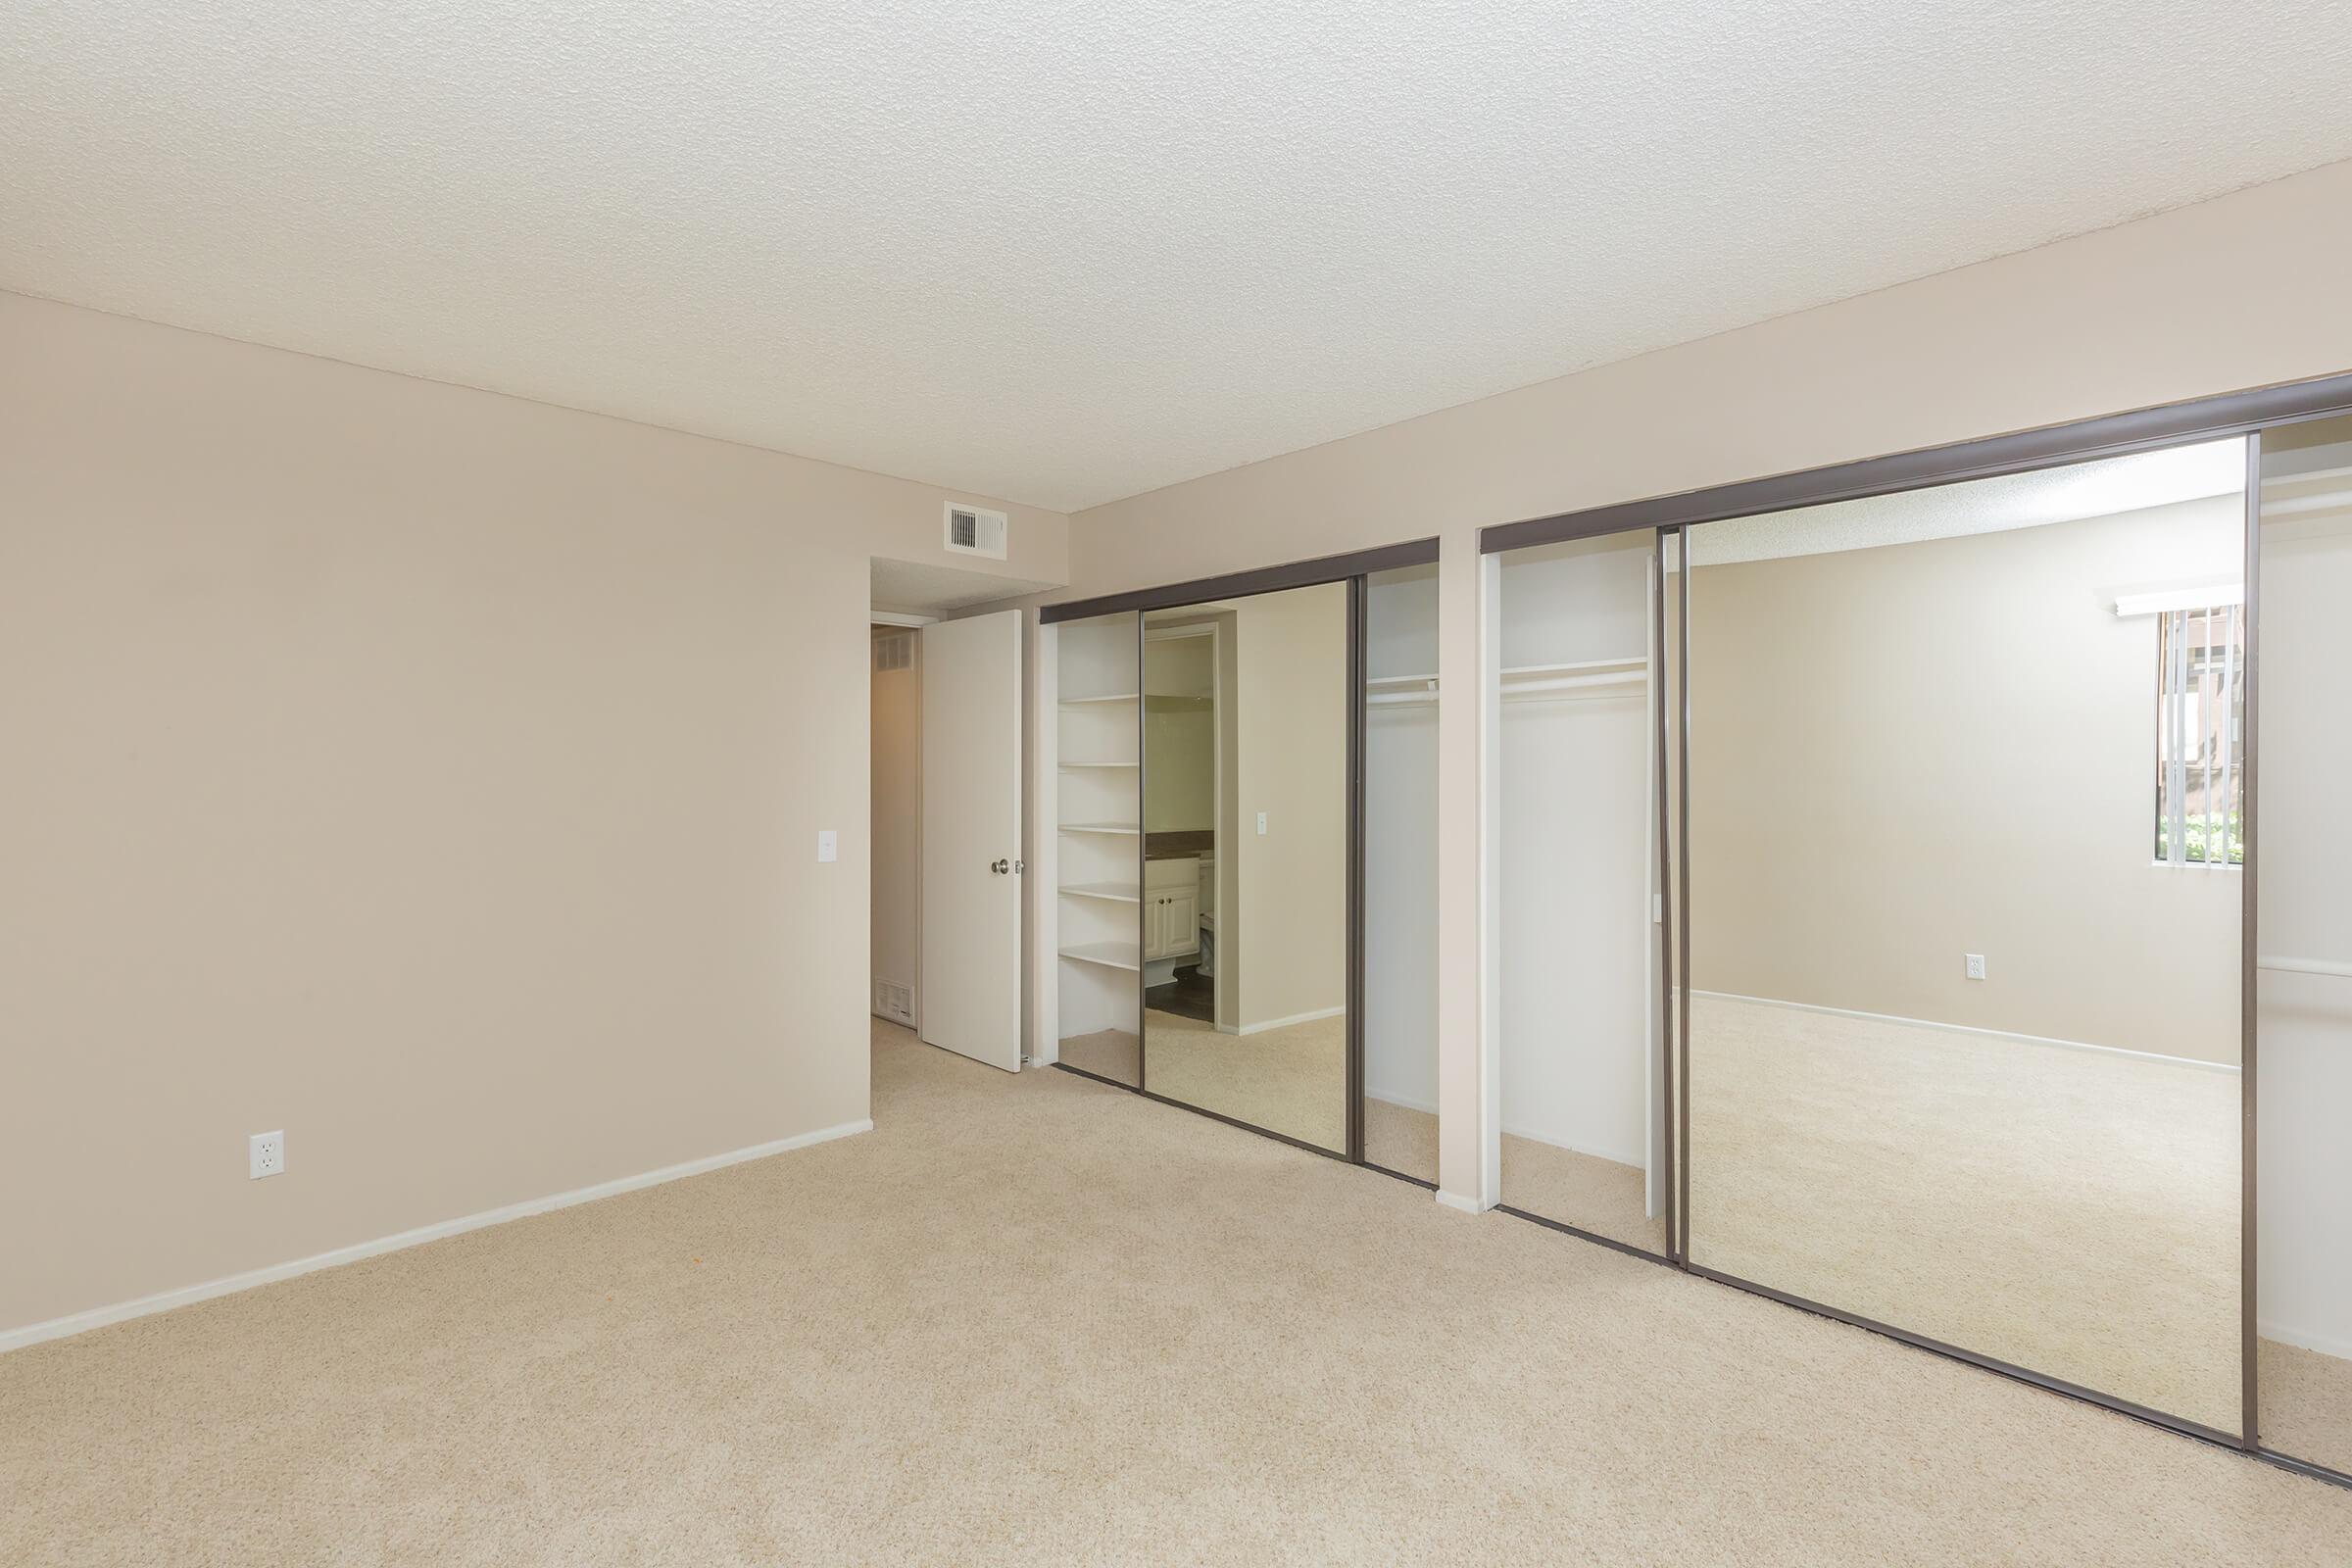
(1171, 907)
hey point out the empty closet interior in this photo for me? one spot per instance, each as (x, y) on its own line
(1907, 901)
(1584, 1136)
(1244, 908)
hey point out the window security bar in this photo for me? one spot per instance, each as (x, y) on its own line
(2198, 704)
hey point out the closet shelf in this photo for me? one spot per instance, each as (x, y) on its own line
(1109, 892)
(1638, 664)
(1109, 955)
(1112, 697)
(1587, 678)
(1597, 675)
(1128, 828)
(1068, 766)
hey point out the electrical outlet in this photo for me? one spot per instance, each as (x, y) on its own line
(1976, 966)
(266, 1154)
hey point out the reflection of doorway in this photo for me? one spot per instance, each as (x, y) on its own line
(1183, 807)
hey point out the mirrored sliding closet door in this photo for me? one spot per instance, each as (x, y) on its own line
(1246, 726)
(1400, 872)
(1966, 774)
(2303, 981)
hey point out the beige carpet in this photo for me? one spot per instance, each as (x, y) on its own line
(1400, 1138)
(1106, 1054)
(1033, 1319)
(1291, 1080)
(2306, 1406)
(1596, 1195)
(2071, 1212)
(1804, 1114)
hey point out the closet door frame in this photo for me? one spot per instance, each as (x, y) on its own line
(2243, 414)
(1353, 569)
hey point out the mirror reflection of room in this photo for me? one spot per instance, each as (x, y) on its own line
(1244, 929)
(1965, 1027)
(2303, 946)
(1400, 871)
(1180, 817)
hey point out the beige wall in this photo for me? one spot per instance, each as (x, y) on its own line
(1291, 680)
(897, 802)
(2243, 291)
(1906, 754)
(1180, 787)
(429, 773)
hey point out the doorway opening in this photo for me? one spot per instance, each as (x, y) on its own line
(1185, 809)
(947, 803)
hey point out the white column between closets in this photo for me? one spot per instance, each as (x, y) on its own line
(1469, 782)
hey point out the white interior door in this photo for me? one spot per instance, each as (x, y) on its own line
(972, 896)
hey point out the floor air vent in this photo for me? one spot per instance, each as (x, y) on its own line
(895, 1000)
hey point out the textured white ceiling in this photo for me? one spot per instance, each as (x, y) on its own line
(1063, 253)
(1981, 506)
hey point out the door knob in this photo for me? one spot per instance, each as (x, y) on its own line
(1000, 868)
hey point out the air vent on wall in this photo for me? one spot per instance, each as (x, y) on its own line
(973, 531)
(894, 652)
(895, 1000)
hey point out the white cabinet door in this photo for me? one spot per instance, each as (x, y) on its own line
(1180, 915)
(1155, 926)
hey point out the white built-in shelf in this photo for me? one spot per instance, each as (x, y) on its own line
(1109, 892)
(1128, 828)
(1113, 697)
(1070, 765)
(1109, 955)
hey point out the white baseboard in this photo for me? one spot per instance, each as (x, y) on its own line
(1402, 1102)
(1971, 1029)
(1468, 1205)
(1262, 1026)
(58, 1328)
(2324, 1344)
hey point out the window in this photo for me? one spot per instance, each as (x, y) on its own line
(2200, 736)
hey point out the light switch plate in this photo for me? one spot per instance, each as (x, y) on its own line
(826, 847)
(1261, 825)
